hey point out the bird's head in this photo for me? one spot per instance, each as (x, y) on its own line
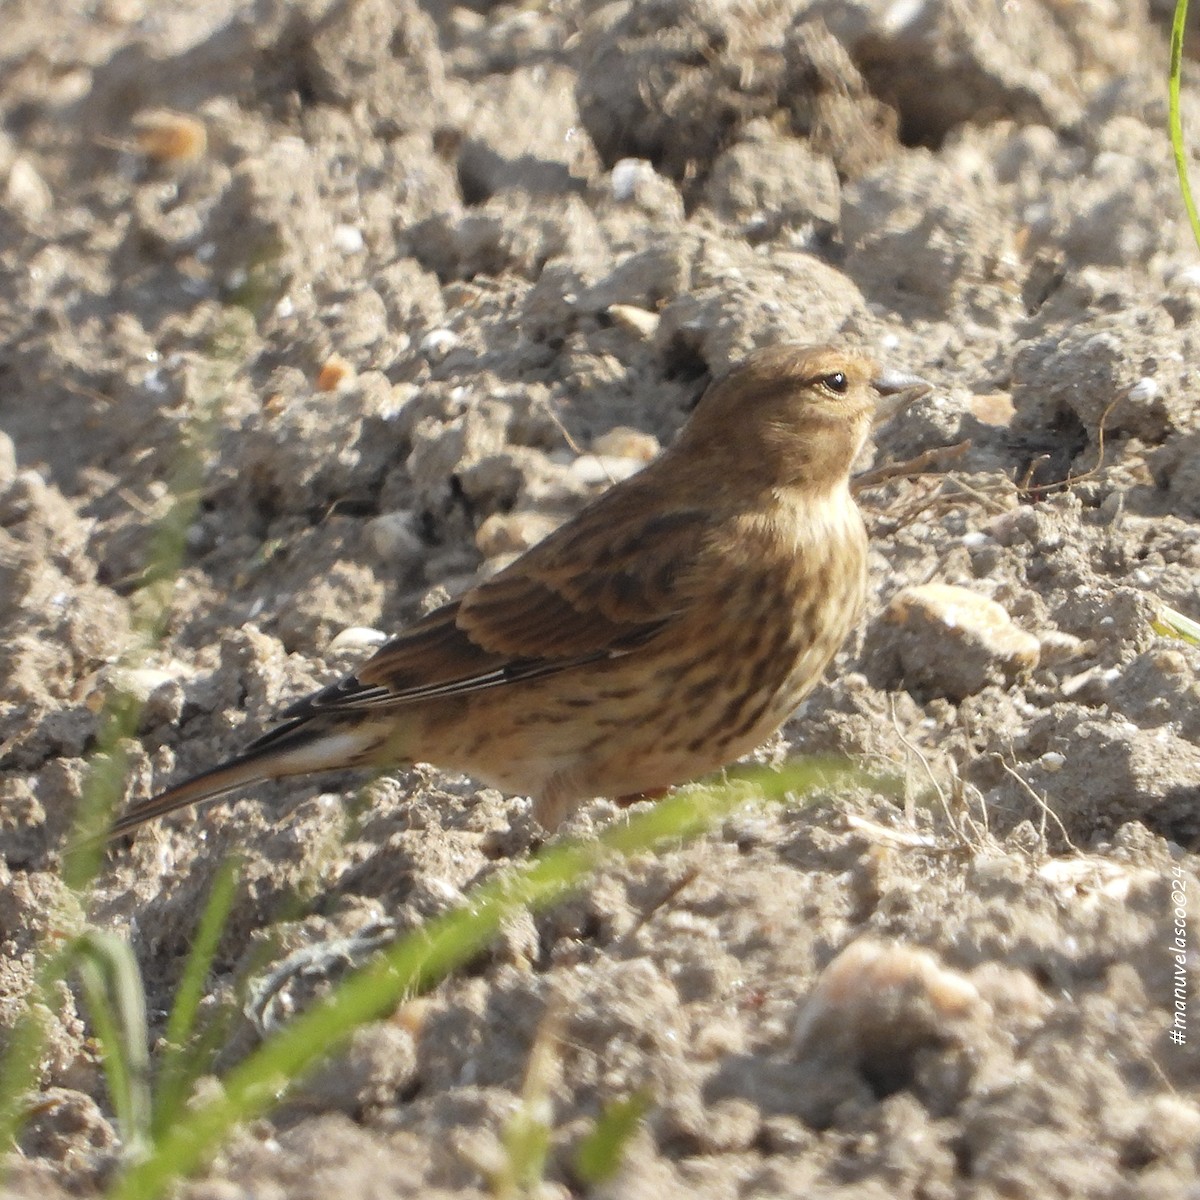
(796, 416)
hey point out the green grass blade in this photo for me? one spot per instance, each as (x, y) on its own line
(204, 948)
(185, 1055)
(21, 1062)
(600, 1154)
(526, 1138)
(116, 1002)
(429, 954)
(1175, 120)
(20, 1065)
(1171, 623)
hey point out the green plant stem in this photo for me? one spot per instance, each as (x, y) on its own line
(107, 767)
(185, 1052)
(1175, 120)
(112, 983)
(423, 958)
(20, 1064)
(601, 1153)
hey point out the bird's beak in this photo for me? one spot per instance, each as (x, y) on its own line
(897, 390)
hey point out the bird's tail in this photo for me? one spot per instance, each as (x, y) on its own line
(294, 749)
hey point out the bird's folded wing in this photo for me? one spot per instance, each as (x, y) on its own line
(586, 593)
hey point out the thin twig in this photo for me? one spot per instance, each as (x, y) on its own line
(1040, 801)
(573, 445)
(1030, 489)
(662, 901)
(914, 466)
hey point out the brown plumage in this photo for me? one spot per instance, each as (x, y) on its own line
(664, 631)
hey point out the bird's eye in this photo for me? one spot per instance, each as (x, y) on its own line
(836, 382)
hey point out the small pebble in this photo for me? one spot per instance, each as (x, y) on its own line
(1059, 647)
(8, 461)
(395, 537)
(348, 239)
(596, 469)
(639, 321)
(167, 136)
(1091, 684)
(512, 533)
(995, 409)
(26, 192)
(623, 442)
(627, 174)
(955, 642)
(357, 637)
(876, 1003)
(140, 683)
(1145, 389)
(334, 372)
(437, 343)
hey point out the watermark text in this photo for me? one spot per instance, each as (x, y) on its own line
(1178, 951)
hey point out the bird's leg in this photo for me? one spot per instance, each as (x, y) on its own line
(557, 799)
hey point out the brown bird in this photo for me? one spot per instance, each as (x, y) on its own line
(664, 631)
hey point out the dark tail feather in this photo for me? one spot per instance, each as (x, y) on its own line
(297, 748)
(252, 767)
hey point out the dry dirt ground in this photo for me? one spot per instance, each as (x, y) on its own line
(420, 282)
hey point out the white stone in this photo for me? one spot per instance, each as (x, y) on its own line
(395, 538)
(348, 239)
(357, 637)
(437, 343)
